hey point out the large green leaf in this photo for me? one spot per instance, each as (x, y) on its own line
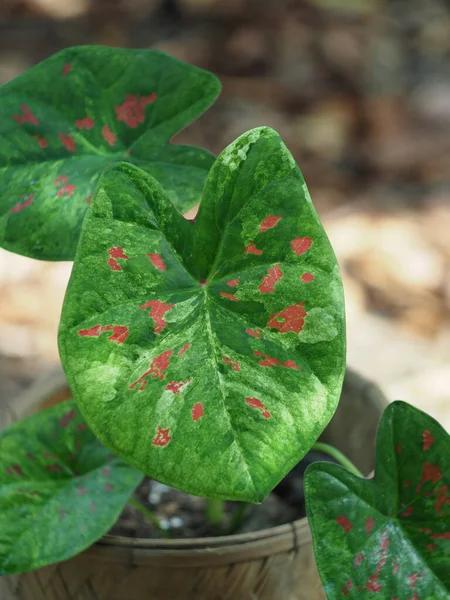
(388, 537)
(208, 354)
(60, 489)
(63, 121)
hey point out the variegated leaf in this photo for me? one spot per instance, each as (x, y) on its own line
(388, 537)
(66, 119)
(210, 354)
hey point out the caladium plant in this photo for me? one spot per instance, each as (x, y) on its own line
(60, 489)
(386, 537)
(208, 354)
(64, 120)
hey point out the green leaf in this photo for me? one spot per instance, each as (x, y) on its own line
(209, 354)
(388, 537)
(66, 119)
(60, 489)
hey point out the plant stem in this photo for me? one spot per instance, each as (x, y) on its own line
(150, 516)
(214, 511)
(238, 515)
(337, 455)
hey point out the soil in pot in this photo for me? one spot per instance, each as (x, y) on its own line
(183, 516)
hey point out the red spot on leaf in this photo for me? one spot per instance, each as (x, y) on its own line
(197, 411)
(106, 471)
(148, 99)
(184, 348)
(441, 536)
(177, 386)
(61, 179)
(157, 312)
(253, 333)
(56, 468)
(66, 190)
(307, 277)
(407, 483)
(116, 252)
(18, 470)
(157, 261)
(301, 245)
(131, 111)
(344, 523)
(229, 296)
(81, 490)
(119, 332)
(21, 205)
(88, 199)
(369, 525)
(162, 437)
(234, 365)
(67, 141)
(348, 586)
(256, 403)
(412, 580)
(407, 512)
(67, 68)
(67, 418)
(428, 439)
(27, 117)
(269, 361)
(429, 473)
(86, 123)
(114, 265)
(157, 367)
(396, 568)
(233, 282)
(269, 222)
(398, 448)
(358, 559)
(108, 487)
(442, 498)
(252, 249)
(424, 530)
(291, 318)
(274, 274)
(41, 141)
(373, 585)
(431, 547)
(92, 332)
(108, 135)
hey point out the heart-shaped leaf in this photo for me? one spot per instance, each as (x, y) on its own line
(63, 121)
(60, 489)
(388, 537)
(208, 354)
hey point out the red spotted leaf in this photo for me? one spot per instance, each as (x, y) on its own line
(66, 119)
(387, 537)
(60, 489)
(231, 366)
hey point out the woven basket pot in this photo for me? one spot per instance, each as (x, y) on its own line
(272, 564)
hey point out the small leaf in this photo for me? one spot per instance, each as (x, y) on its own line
(210, 366)
(60, 489)
(390, 535)
(66, 119)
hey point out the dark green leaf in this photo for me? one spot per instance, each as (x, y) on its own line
(63, 121)
(388, 537)
(210, 355)
(60, 489)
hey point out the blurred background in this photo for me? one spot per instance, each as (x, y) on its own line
(359, 90)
